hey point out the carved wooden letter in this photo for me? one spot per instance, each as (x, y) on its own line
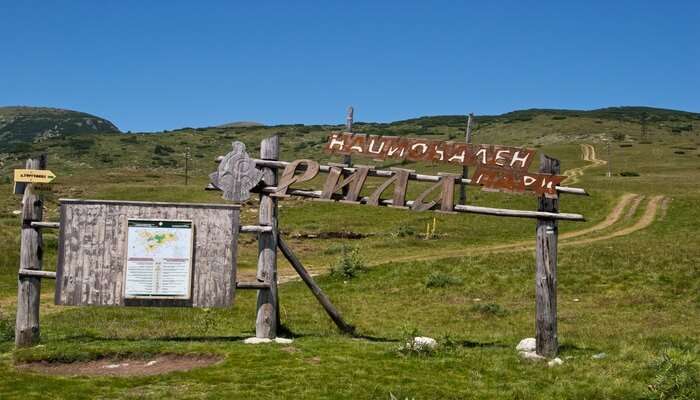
(289, 177)
(400, 181)
(354, 183)
(446, 198)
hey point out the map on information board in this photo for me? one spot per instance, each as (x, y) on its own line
(159, 259)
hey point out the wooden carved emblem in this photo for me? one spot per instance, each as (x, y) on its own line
(236, 174)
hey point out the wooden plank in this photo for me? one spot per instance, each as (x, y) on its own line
(27, 330)
(347, 158)
(332, 312)
(465, 169)
(546, 271)
(93, 249)
(267, 319)
(255, 228)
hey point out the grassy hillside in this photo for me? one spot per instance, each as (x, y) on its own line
(628, 278)
(20, 126)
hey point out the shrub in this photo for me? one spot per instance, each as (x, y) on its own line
(162, 150)
(618, 136)
(629, 173)
(404, 231)
(441, 280)
(349, 264)
(7, 329)
(489, 309)
(676, 376)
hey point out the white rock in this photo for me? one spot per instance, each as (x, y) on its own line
(16, 212)
(423, 343)
(151, 363)
(527, 344)
(254, 340)
(112, 366)
(282, 340)
(531, 355)
(599, 356)
(555, 361)
(577, 300)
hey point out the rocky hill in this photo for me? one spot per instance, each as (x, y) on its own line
(21, 126)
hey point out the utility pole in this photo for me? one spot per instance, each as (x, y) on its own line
(643, 122)
(607, 147)
(465, 169)
(187, 165)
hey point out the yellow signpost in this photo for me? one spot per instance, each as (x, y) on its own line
(38, 177)
(34, 176)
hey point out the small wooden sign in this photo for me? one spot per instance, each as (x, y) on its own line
(34, 176)
(127, 253)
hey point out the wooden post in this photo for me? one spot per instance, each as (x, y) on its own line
(347, 159)
(315, 289)
(267, 319)
(546, 275)
(465, 169)
(31, 252)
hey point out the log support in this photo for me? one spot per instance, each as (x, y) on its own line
(31, 252)
(267, 320)
(546, 272)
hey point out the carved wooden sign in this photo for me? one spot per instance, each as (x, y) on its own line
(116, 253)
(499, 168)
(236, 174)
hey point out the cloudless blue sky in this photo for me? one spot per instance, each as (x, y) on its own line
(153, 65)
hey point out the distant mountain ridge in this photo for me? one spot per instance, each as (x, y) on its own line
(20, 125)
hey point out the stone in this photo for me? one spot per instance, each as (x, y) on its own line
(554, 362)
(599, 356)
(151, 363)
(255, 340)
(531, 355)
(282, 340)
(527, 344)
(423, 343)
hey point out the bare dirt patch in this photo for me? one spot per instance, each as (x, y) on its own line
(122, 367)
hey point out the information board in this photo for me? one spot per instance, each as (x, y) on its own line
(159, 259)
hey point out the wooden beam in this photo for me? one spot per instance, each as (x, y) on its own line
(387, 174)
(267, 319)
(31, 252)
(332, 312)
(502, 212)
(253, 285)
(255, 228)
(40, 274)
(45, 225)
(546, 271)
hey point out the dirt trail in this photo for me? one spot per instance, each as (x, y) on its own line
(628, 202)
(588, 154)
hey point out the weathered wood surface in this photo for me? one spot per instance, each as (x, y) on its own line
(347, 159)
(332, 312)
(93, 250)
(236, 174)
(255, 228)
(31, 254)
(546, 271)
(267, 319)
(465, 169)
(386, 174)
(252, 285)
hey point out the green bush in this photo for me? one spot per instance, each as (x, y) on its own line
(349, 264)
(441, 279)
(162, 150)
(629, 173)
(677, 376)
(489, 309)
(7, 329)
(405, 231)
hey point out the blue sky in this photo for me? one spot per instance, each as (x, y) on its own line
(153, 65)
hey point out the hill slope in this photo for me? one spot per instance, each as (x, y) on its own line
(20, 126)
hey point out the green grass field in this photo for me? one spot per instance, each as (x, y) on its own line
(629, 289)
